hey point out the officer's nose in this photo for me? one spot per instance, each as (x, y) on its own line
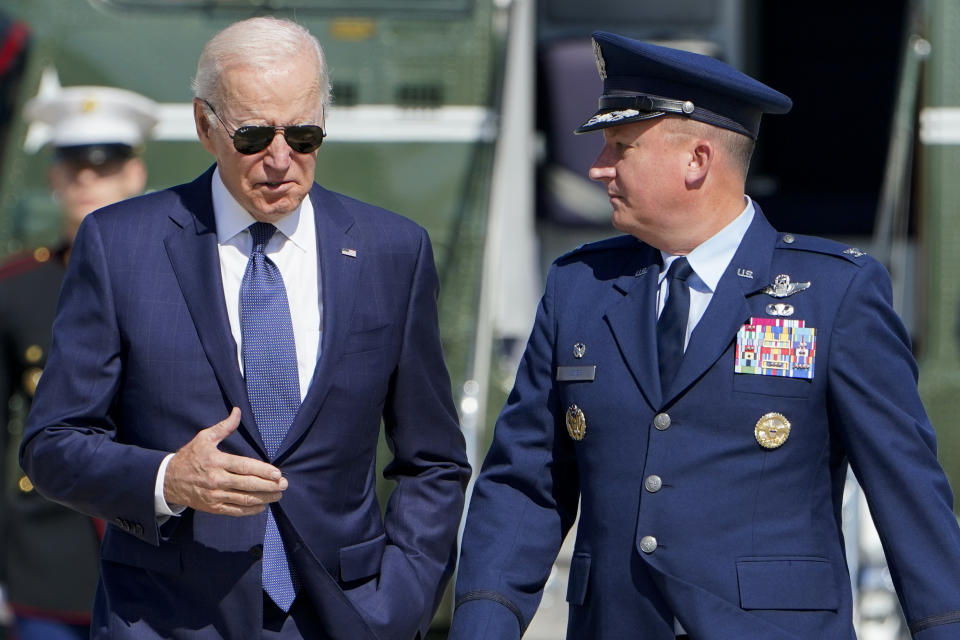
(602, 168)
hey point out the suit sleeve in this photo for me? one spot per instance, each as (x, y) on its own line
(876, 408)
(524, 501)
(429, 461)
(69, 448)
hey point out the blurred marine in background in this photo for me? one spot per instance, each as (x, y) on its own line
(49, 552)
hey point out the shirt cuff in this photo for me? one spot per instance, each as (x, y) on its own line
(160, 506)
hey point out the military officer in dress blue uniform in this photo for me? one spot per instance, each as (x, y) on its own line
(50, 553)
(699, 386)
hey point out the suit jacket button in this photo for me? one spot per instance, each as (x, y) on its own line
(661, 421)
(648, 544)
(256, 551)
(653, 483)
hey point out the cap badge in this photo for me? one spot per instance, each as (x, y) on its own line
(579, 349)
(782, 287)
(576, 422)
(772, 430)
(89, 105)
(601, 65)
(780, 309)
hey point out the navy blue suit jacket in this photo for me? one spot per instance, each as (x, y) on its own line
(748, 540)
(143, 358)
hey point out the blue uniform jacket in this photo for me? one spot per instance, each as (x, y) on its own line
(682, 512)
(143, 358)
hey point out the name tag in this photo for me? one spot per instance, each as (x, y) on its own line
(583, 373)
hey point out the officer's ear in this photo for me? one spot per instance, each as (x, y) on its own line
(700, 155)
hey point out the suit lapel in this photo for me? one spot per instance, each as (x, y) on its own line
(339, 275)
(748, 272)
(633, 321)
(193, 253)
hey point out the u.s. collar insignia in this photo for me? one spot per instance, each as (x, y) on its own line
(772, 430)
(853, 251)
(782, 287)
(576, 422)
(601, 65)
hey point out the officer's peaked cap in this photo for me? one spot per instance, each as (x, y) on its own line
(643, 81)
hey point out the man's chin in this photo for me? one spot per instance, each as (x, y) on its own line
(269, 210)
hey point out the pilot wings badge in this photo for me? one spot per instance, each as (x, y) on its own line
(782, 287)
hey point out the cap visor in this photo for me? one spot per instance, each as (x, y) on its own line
(611, 118)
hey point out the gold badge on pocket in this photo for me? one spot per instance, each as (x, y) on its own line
(576, 422)
(772, 430)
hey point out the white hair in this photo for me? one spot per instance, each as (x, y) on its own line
(262, 43)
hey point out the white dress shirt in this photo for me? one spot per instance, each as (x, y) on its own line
(293, 248)
(708, 261)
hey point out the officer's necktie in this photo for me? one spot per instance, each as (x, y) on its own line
(273, 385)
(672, 325)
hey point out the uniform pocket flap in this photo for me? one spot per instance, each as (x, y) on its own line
(579, 578)
(362, 560)
(787, 583)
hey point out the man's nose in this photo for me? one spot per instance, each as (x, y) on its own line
(278, 152)
(602, 168)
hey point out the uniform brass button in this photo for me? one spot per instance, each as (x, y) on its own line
(256, 551)
(31, 378)
(41, 254)
(648, 544)
(788, 238)
(661, 421)
(33, 353)
(25, 485)
(653, 483)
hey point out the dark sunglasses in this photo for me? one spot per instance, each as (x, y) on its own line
(251, 139)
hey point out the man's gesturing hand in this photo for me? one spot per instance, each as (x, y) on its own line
(204, 478)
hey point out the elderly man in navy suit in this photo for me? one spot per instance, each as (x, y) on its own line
(223, 355)
(699, 387)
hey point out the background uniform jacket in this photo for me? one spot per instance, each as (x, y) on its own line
(49, 554)
(735, 540)
(143, 358)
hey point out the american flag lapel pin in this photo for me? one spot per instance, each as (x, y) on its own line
(352, 253)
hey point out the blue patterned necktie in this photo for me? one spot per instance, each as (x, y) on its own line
(273, 384)
(672, 325)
